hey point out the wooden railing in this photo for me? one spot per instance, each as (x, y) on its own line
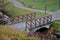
(21, 18)
(31, 24)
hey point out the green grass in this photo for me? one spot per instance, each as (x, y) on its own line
(14, 11)
(56, 25)
(22, 12)
(40, 4)
(3, 1)
(39, 14)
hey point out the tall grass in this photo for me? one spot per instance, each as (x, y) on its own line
(9, 33)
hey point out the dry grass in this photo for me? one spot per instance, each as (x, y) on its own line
(9, 33)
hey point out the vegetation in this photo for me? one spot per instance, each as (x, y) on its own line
(56, 25)
(14, 11)
(51, 5)
(3, 1)
(9, 33)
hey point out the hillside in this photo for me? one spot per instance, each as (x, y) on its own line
(14, 11)
(51, 5)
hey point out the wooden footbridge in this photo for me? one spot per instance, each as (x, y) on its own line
(30, 21)
(39, 22)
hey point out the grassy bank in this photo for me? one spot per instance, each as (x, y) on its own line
(56, 25)
(14, 11)
(51, 5)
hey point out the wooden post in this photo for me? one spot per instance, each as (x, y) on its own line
(26, 26)
(45, 9)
